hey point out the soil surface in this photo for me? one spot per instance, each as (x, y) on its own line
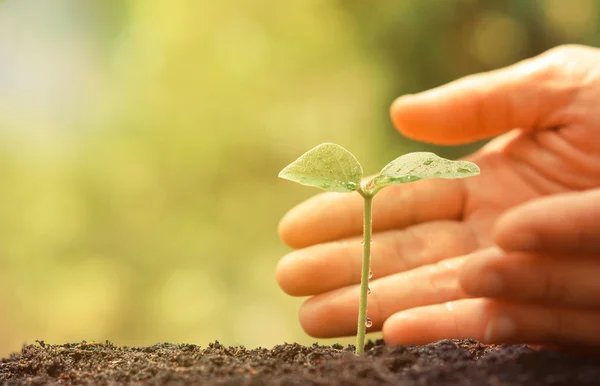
(448, 362)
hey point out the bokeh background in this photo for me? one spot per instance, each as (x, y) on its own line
(140, 143)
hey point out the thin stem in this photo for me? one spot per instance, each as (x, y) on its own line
(364, 281)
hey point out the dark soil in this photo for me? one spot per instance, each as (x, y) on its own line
(448, 362)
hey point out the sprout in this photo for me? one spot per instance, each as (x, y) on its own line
(332, 168)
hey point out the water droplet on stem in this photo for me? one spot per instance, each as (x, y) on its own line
(368, 323)
(370, 274)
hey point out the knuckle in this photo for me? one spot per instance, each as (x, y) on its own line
(545, 67)
(557, 60)
(567, 50)
(554, 63)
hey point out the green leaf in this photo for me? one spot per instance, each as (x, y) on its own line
(327, 166)
(422, 166)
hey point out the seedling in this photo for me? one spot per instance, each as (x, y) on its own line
(333, 168)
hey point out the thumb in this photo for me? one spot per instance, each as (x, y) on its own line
(526, 95)
(566, 222)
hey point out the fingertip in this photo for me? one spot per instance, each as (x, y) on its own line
(513, 232)
(400, 328)
(396, 111)
(485, 105)
(315, 322)
(501, 231)
(562, 222)
(284, 230)
(466, 277)
(434, 116)
(293, 224)
(290, 275)
(325, 217)
(404, 113)
(281, 275)
(499, 236)
(478, 276)
(307, 315)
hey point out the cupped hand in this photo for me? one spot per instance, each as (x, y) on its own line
(509, 256)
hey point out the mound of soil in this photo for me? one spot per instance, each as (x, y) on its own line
(448, 362)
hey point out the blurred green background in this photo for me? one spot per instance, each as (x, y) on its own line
(140, 143)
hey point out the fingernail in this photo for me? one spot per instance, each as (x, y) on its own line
(499, 330)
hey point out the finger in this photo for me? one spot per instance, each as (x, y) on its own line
(491, 321)
(532, 278)
(325, 267)
(567, 222)
(335, 313)
(334, 216)
(525, 95)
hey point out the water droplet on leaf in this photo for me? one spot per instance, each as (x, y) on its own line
(350, 185)
(368, 323)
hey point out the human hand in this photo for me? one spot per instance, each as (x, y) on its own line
(510, 256)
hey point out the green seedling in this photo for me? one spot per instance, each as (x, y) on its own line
(333, 168)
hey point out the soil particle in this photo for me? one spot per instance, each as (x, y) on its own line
(447, 362)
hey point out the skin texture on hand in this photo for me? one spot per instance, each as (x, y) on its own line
(509, 256)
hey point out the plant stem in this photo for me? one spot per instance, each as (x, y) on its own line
(364, 281)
